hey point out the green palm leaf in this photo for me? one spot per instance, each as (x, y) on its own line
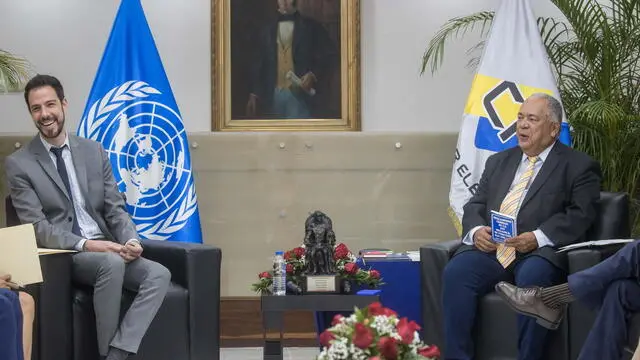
(455, 27)
(14, 71)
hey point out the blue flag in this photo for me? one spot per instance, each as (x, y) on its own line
(132, 112)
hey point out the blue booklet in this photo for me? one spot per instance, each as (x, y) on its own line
(503, 227)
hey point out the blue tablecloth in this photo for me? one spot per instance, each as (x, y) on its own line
(401, 291)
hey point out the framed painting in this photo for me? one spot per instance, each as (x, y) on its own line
(285, 65)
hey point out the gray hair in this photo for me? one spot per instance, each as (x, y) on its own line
(554, 107)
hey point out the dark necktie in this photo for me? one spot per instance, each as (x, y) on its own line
(62, 170)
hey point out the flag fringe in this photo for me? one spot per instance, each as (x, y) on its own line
(455, 220)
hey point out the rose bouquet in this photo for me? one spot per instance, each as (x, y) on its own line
(346, 269)
(374, 333)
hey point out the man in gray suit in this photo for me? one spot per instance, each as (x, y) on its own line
(64, 186)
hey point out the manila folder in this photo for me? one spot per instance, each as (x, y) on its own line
(19, 254)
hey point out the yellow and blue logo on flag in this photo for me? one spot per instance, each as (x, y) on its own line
(496, 102)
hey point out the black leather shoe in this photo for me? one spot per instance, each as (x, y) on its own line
(527, 301)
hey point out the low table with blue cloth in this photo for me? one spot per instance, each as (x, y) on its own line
(401, 291)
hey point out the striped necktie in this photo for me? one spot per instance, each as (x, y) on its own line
(510, 206)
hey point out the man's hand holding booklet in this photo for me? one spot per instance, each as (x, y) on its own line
(503, 227)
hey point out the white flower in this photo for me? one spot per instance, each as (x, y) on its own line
(339, 350)
(383, 325)
(416, 339)
(341, 328)
(357, 353)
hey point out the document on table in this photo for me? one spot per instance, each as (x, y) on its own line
(45, 251)
(19, 254)
(503, 227)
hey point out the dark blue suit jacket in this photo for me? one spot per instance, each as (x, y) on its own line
(10, 326)
(561, 201)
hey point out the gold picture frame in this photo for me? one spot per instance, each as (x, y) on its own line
(233, 73)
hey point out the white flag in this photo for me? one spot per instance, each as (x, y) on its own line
(514, 66)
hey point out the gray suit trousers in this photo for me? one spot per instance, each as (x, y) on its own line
(108, 274)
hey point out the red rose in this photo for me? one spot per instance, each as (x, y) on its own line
(287, 256)
(374, 274)
(374, 358)
(337, 319)
(299, 252)
(341, 252)
(429, 352)
(362, 336)
(388, 348)
(389, 312)
(376, 309)
(289, 269)
(264, 275)
(351, 268)
(407, 329)
(326, 337)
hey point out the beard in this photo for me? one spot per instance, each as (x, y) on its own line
(55, 129)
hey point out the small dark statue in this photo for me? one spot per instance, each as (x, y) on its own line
(319, 241)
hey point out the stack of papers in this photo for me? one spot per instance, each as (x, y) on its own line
(19, 256)
(375, 253)
(595, 243)
(43, 251)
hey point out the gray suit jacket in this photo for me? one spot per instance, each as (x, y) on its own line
(561, 200)
(40, 197)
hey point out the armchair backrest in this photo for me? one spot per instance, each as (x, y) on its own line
(612, 219)
(11, 214)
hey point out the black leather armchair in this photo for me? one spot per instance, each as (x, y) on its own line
(496, 322)
(614, 220)
(187, 325)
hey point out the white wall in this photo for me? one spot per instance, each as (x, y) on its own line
(66, 38)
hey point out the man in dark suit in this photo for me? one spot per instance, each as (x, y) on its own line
(17, 310)
(612, 287)
(295, 45)
(64, 186)
(552, 190)
(10, 326)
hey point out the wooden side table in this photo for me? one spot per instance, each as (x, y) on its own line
(273, 308)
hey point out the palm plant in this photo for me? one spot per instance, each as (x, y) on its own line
(14, 71)
(595, 56)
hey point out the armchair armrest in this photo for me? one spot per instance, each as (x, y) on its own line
(197, 268)
(581, 259)
(580, 316)
(53, 325)
(433, 259)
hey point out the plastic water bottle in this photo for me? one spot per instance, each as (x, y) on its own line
(279, 274)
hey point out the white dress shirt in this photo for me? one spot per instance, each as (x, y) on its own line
(285, 33)
(541, 238)
(88, 227)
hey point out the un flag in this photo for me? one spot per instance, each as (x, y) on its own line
(132, 112)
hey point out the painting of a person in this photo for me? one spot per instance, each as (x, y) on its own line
(294, 57)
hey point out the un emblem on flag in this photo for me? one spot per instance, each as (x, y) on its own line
(148, 149)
